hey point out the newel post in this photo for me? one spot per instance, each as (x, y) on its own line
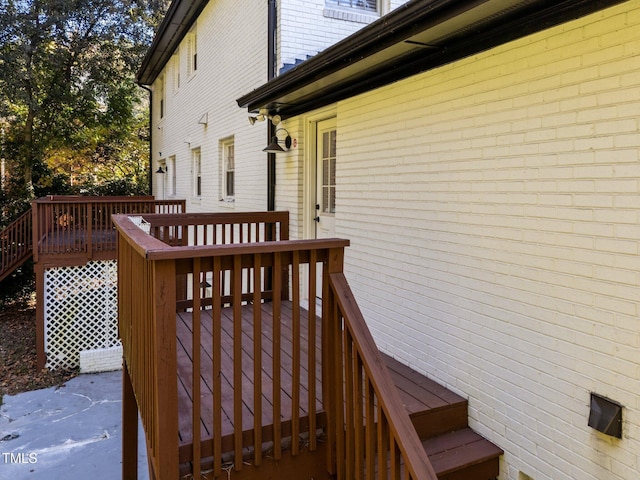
(164, 313)
(332, 364)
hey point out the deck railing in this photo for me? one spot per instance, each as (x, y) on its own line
(257, 283)
(15, 244)
(372, 434)
(82, 227)
(152, 288)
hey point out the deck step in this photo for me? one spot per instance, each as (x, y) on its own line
(441, 420)
(432, 408)
(463, 455)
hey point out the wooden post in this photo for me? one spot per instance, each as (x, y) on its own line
(164, 312)
(35, 231)
(129, 427)
(40, 292)
(89, 229)
(331, 366)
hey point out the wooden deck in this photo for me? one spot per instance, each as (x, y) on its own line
(75, 240)
(71, 231)
(439, 415)
(244, 383)
(184, 332)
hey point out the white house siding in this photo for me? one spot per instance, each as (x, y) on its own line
(308, 27)
(493, 211)
(290, 178)
(232, 59)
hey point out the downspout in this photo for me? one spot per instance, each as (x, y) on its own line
(272, 26)
(150, 136)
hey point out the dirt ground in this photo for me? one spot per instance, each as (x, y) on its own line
(18, 357)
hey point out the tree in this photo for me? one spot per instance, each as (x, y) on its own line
(69, 106)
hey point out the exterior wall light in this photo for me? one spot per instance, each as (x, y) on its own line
(274, 146)
(257, 118)
(160, 170)
(262, 115)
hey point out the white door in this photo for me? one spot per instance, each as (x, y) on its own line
(325, 189)
(325, 179)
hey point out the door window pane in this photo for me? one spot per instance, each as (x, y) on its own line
(329, 172)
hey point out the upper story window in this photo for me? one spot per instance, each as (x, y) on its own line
(197, 173)
(176, 71)
(171, 176)
(370, 6)
(192, 51)
(161, 99)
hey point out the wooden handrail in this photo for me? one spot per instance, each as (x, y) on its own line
(369, 419)
(16, 243)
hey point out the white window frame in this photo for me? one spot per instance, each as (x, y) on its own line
(192, 51)
(356, 5)
(227, 167)
(162, 101)
(196, 155)
(171, 173)
(176, 70)
(343, 10)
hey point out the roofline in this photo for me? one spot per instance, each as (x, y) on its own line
(416, 16)
(180, 17)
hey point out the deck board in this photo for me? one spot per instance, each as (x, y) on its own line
(184, 328)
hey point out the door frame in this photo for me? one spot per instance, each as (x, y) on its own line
(309, 170)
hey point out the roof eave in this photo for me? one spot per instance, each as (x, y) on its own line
(324, 79)
(178, 20)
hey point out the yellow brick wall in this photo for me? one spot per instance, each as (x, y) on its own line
(493, 208)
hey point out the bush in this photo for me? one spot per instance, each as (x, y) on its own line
(115, 187)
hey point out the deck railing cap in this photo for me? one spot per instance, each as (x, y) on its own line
(154, 249)
(93, 198)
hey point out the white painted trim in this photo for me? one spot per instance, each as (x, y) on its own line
(309, 183)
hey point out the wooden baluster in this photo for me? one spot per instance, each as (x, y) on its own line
(347, 341)
(196, 329)
(89, 232)
(277, 380)
(359, 425)
(311, 347)
(216, 314)
(257, 359)
(383, 444)
(295, 330)
(370, 441)
(236, 294)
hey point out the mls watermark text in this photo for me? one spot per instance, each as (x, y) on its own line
(24, 458)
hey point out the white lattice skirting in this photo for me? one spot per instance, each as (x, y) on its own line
(80, 311)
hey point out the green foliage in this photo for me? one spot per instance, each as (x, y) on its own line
(72, 119)
(115, 187)
(69, 107)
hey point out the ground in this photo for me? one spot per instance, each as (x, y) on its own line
(18, 357)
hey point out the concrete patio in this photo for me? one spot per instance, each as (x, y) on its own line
(68, 432)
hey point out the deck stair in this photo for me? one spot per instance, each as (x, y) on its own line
(440, 417)
(15, 244)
